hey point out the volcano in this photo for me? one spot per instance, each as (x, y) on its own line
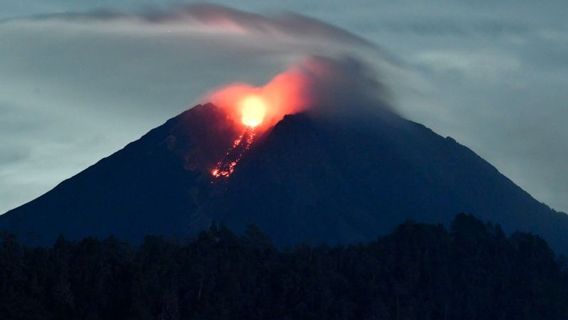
(306, 179)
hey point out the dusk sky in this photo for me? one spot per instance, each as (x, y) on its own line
(80, 79)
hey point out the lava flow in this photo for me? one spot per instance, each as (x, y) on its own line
(256, 109)
(253, 111)
(241, 145)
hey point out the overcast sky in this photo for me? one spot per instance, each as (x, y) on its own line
(75, 88)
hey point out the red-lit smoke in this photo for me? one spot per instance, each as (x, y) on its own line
(328, 87)
(285, 94)
(346, 87)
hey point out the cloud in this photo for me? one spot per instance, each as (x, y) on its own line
(209, 18)
(486, 66)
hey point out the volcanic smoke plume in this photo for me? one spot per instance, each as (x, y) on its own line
(319, 85)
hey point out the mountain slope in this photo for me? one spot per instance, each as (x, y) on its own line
(308, 179)
(146, 188)
(323, 180)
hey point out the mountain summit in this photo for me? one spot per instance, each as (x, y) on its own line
(306, 179)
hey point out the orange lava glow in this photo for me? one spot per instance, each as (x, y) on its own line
(226, 167)
(261, 107)
(256, 109)
(253, 110)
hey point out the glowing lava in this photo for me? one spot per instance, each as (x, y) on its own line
(253, 110)
(241, 145)
(256, 109)
(263, 106)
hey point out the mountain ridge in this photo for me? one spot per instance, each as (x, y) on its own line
(308, 178)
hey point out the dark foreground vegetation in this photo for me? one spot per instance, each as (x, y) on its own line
(472, 271)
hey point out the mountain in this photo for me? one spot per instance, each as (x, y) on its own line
(308, 179)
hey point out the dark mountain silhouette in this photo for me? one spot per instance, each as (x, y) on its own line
(309, 178)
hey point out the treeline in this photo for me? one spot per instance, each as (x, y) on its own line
(471, 271)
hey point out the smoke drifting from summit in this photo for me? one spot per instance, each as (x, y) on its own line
(317, 84)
